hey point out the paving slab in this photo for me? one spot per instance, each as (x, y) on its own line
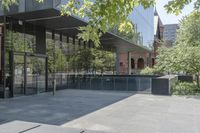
(29, 127)
(65, 106)
(142, 113)
(17, 127)
(105, 111)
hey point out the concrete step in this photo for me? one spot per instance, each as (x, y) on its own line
(29, 127)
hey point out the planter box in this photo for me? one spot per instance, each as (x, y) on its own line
(163, 85)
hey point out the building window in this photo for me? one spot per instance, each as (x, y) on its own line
(153, 62)
(140, 63)
(132, 63)
(121, 63)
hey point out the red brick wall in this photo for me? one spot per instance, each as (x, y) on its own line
(123, 60)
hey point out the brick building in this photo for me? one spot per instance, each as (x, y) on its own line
(135, 61)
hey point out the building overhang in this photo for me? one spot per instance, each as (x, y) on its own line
(69, 25)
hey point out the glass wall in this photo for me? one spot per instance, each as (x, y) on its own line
(144, 23)
(25, 70)
(66, 56)
(29, 5)
(73, 56)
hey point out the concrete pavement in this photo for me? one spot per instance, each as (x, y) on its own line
(107, 111)
(65, 106)
(142, 113)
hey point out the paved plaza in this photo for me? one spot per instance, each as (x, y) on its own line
(65, 106)
(107, 111)
(142, 113)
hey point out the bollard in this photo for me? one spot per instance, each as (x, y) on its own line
(127, 82)
(139, 85)
(101, 82)
(54, 87)
(114, 87)
(37, 89)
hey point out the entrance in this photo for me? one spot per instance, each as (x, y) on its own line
(28, 73)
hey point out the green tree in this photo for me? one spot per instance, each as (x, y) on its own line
(189, 32)
(94, 59)
(131, 36)
(184, 57)
(104, 61)
(57, 60)
(104, 14)
(83, 59)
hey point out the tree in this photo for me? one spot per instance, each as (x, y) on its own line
(191, 62)
(59, 62)
(189, 31)
(93, 59)
(184, 57)
(82, 60)
(104, 14)
(131, 36)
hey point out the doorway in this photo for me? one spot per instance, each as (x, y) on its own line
(29, 73)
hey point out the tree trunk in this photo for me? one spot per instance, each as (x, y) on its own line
(197, 78)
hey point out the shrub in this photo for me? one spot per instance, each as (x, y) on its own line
(185, 88)
(147, 71)
(150, 71)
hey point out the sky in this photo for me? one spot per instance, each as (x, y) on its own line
(170, 18)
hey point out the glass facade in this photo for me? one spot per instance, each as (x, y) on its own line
(25, 70)
(144, 24)
(142, 18)
(35, 56)
(30, 5)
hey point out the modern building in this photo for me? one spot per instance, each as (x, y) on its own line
(169, 34)
(30, 34)
(144, 24)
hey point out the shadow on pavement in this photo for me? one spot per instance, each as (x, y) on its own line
(65, 106)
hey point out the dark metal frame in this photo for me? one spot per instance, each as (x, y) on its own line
(12, 73)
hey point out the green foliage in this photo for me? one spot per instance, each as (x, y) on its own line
(179, 59)
(185, 88)
(57, 60)
(104, 14)
(197, 5)
(148, 71)
(82, 59)
(184, 57)
(131, 36)
(7, 3)
(87, 59)
(189, 32)
(175, 6)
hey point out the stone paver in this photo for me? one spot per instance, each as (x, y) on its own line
(107, 111)
(65, 106)
(142, 113)
(29, 127)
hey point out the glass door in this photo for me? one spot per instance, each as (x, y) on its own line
(29, 72)
(18, 75)
(35, 74)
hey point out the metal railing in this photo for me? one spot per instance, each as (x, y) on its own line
(102, 82)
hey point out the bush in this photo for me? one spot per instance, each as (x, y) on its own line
(185, 88)
(150, 71)
(147, 71)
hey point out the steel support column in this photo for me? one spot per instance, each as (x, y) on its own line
(117, 65)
